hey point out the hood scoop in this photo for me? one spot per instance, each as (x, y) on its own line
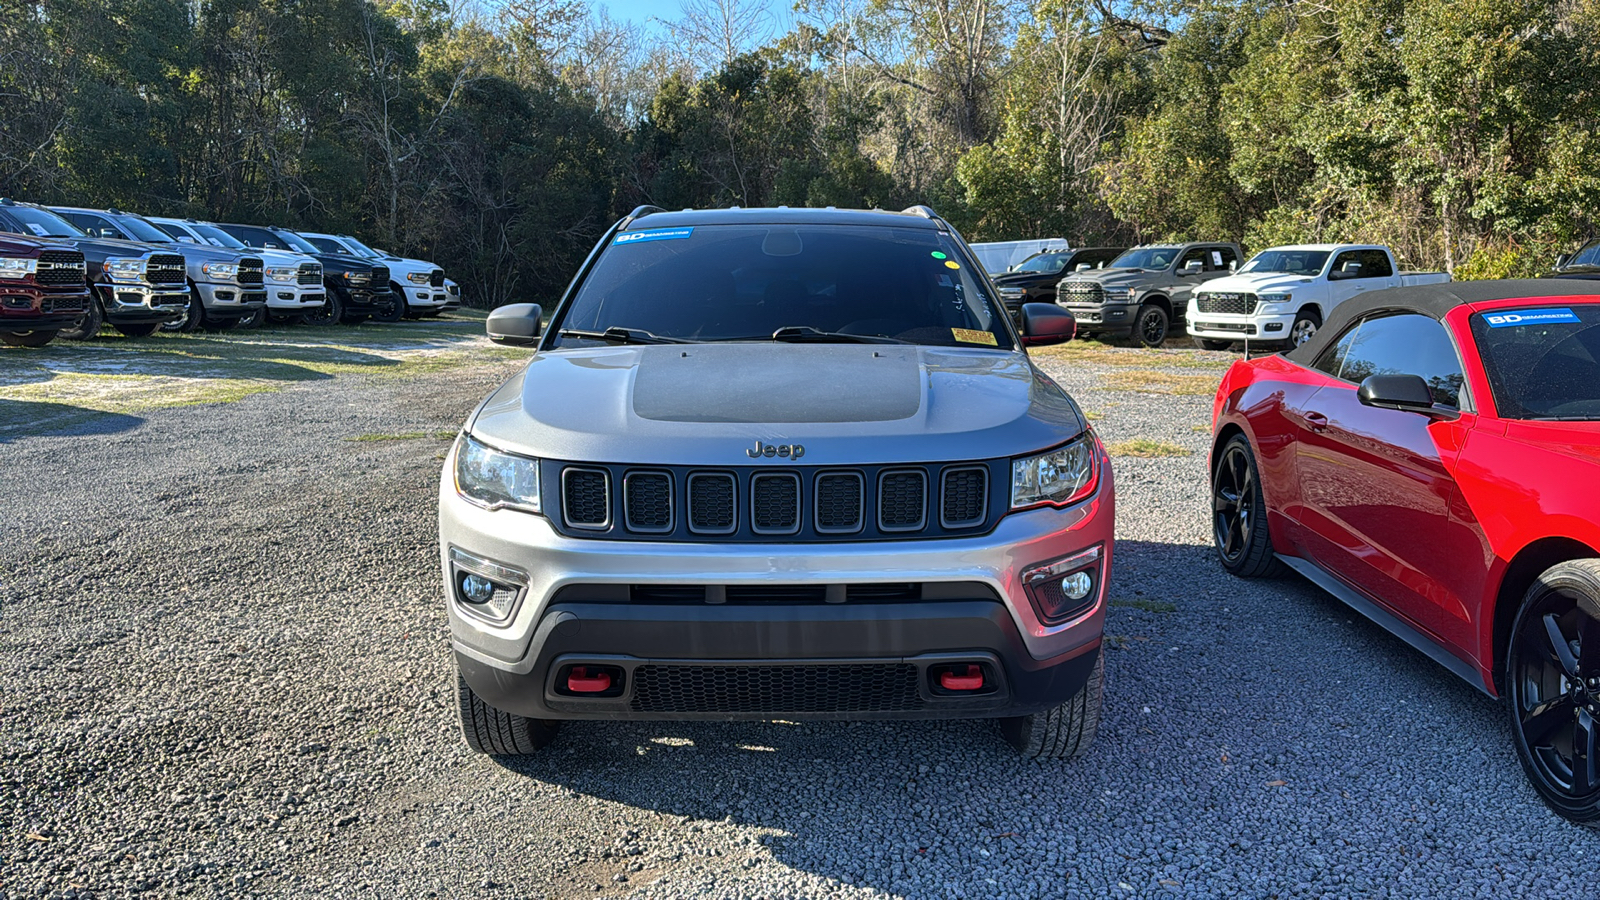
(778, 383)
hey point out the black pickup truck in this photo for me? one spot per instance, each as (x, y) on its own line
(137, 287)
(357, 289)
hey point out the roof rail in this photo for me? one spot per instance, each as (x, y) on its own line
(639, 212)
(924, 211)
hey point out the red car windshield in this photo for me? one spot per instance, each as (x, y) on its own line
(1543, 362)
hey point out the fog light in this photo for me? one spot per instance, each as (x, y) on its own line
(483, 587)
(476, 588)
(1066, 588)
(1076, 586)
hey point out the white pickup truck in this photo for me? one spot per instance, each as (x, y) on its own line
(1283, 295)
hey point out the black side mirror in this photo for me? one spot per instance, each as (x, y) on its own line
(515, 324)
(1408, 393)
(1046, 323)
(1563, 259)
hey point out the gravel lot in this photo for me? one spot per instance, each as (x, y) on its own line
(224, 671)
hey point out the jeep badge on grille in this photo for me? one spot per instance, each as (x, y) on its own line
(789, 451)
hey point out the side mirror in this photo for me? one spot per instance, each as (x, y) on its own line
(1408, 393)
(1563, 259)
(1082, 267)
(1233, 266)
(1046, 323)
(1192, 267)
(515, 324)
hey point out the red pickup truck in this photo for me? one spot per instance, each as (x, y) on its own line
(42, 290)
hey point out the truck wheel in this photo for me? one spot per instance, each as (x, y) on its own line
(392, 311)
(329, 313)
(1213, 344)
(1551, 677)
(193, 318)
(1239, 514)
(1306, 323)
(140, 329)
(252, 319)
(27, 338)
(488, 730)
(274, 318)
(1066, 731)
(86, 327)
(1150, 325)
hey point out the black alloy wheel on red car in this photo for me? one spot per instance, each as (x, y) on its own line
(1239, 513)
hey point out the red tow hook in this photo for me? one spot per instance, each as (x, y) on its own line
(954, 680)
(579, 681)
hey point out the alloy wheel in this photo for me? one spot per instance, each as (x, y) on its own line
(1302, 331)
(1153, 327)
(1555, 692)
(1233, 498)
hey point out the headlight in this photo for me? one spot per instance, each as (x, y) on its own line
(1062, 476)
(1133, 293)
(1271, 300)
(220, 270)
(493, 479)
(124, 269)
(18, 268)
(283, 273)
(417, 277)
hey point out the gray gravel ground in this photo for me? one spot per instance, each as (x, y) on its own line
(223, 671)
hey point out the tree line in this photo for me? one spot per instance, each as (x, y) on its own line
(501, 140)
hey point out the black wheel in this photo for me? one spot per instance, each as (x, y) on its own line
(1239, 514)
(1553, 688)
(255, 318)
(86, 327)
(138, 329)
(1213, 344)
(193, 318)
(1306, 323)
(1066, 731)
(27, 338)
(1150, 325)
(488, 730)
(329, 313)
(393, 309)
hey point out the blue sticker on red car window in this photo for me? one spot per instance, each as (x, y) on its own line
(1530, 317)
(655, 234)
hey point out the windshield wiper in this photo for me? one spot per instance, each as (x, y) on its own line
(802, 334)
(615, 335)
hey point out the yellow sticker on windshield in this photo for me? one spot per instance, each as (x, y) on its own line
(951, 264)
(969, 336)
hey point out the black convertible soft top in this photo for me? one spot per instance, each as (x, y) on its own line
(1435, 300)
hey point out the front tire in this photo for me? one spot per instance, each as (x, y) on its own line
(1553, 688)
(1066, 731)
(1239, 514)
(27, 338)
(193, 318)
(1306, 323)
(329, 313)
(88, 326)
(1150, 325)
(255, 318)
(488, 730)
(394, 310)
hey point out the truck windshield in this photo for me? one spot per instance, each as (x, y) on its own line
(1543, 362)
(843, 283)
(142, 230)
(1145, 258)
(1044, 263)
(296, 241)
(43, 223)
(360, 248)
(1587, 257)
(1290, 262)
(216, 236)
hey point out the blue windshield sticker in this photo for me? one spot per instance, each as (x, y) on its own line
(657, 234)
(1530, 317)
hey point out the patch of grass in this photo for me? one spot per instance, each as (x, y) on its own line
(1097, 353)
(1093, 415)
(125, 393)
(1200, 429)
(1149, 381)
(1155, 606)
(404, 436)
(1147, 448)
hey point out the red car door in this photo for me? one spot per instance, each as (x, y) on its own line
(1377, 484)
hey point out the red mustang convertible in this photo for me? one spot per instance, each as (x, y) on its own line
(1432, 458)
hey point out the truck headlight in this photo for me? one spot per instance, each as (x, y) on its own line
(220, 270)
(1061, 477)
(124, 269)
(493, 479)
(1133, 293)
(1274, 298)
(417, 277)
(285, 274)
(18, 268)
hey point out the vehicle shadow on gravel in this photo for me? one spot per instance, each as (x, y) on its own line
(23, 419)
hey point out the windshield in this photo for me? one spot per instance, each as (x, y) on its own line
(1543, 362)
(1290, 262)
(360, 248)
(296, 241)
(329, 245)
(142, 230)
(1589, 256)
(1044, 263)
(824, 282)
(217, 236)
(42, 222)
(1145, 258)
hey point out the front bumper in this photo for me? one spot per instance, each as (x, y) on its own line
(294, 297)
(131, 304)
(1220, 326)
(364, 300)
(25, 307)
(1103, 318)
(986, 619)
(231, 299)
(425, 296)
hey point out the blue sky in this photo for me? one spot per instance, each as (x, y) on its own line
(642, 11)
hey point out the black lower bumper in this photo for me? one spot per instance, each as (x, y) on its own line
(868, 661)
(20, 324)
(364, 302)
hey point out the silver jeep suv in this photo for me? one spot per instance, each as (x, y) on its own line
(778, 463)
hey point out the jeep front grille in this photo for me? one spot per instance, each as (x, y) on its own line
(1226, 303)
(865, 687)
(59, 268)
(761, 503)
(165, 268)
